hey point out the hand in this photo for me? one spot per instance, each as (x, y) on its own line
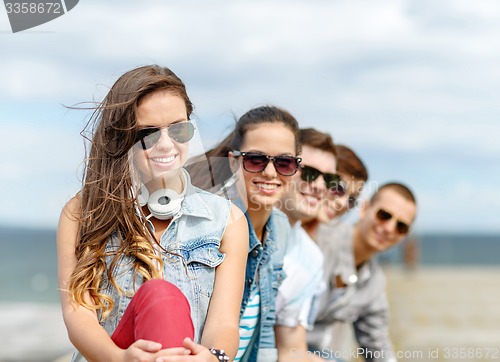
(197, 353)
(149, 351)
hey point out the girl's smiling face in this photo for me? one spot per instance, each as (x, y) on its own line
(160, 161)
(264, 189)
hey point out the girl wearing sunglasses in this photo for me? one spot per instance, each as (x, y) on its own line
(150, 268)
(254, 164)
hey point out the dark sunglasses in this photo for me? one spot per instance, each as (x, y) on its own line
(332, 181)
(181, 132)
(257, 162)
(351, 201)
(401, 227)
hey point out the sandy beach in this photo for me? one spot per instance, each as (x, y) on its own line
(447, 314)
(441, 314)
(437, 314)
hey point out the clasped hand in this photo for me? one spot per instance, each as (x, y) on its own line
(149, 351)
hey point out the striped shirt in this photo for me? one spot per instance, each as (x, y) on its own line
(248, 323)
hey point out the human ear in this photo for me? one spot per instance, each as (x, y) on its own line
(233, 162)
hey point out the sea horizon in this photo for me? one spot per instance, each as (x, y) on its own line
(28, 272)
(28, 278)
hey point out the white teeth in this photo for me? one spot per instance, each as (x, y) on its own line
(163, 159)
(267, 186)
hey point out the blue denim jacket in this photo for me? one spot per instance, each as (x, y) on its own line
(194, 233)
(265, 271)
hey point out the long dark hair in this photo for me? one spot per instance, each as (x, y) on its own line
(107, 204)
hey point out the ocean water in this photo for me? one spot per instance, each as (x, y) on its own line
(28, 259)
(450, 250)
(28, 265)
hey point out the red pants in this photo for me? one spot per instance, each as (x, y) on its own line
(158, 312)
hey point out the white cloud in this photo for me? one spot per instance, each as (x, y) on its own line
(408, 76)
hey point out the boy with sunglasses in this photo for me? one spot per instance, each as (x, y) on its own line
(303, 261)
(355, 282)
(353, 175)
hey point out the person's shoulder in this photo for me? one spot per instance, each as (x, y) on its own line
(280, 221)
(376, 269)
(334, 233)
(203, 192)
(69, 220)
(213, 206)
(210, 197)
(72, 209)
(236, 212)
(309, 245)
(335, 226)
(277, 214)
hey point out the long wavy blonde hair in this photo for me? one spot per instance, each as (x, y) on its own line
(107, 203)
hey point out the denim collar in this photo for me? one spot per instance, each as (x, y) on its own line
(192, 205)
(269, 234)
(230, 191)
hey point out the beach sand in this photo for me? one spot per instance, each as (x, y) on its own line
(440, 314)
(437, 314)
(447, 314)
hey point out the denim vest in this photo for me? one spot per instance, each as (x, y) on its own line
(265, 271)
(194, 234)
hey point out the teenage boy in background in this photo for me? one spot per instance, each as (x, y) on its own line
(355, 292)
(354, 175)
(303, 262)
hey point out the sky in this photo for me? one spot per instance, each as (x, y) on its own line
(412, 86)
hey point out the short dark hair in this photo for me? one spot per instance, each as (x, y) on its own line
(399, 188)
(316, 139)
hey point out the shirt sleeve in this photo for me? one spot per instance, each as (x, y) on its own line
(302, 309)
(310, 308)
(372, 332)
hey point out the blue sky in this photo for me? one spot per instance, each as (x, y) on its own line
(412, 86)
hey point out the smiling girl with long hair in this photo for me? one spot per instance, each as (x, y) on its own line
(151, 268)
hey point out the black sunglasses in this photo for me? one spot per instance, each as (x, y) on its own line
(401, 227)
(351, 201)
(332, 181)
(255, 162)
(181, 132)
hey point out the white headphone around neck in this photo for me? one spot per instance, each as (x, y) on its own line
(163, 203)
